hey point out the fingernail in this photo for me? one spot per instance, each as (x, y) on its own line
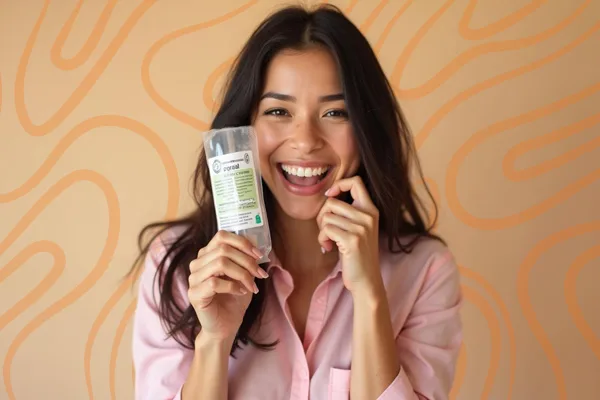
(263, 274)
(323, 250)
(243, 291)
(255, 288)
(257, 253)
(327, 192)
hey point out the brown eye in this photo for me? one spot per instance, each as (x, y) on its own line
(337, 114)
(277, 112)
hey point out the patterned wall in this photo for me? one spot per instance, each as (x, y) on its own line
(101, 108)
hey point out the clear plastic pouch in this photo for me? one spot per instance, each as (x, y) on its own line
(233, 160)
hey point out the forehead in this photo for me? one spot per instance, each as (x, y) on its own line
(299, 70)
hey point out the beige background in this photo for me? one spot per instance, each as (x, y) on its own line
(101, 108)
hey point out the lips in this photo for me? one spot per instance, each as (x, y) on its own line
(304, 172)
(305, 178)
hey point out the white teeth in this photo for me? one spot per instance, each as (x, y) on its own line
(304, 172)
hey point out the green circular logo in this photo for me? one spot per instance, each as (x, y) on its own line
(216, 166)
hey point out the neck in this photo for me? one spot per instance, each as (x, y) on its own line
(296, 245)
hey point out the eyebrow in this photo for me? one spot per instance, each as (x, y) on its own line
(287, 97)
(331, 97)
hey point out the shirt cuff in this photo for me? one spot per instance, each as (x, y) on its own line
(399, 389)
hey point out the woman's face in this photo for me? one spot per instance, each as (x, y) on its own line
(304, 135)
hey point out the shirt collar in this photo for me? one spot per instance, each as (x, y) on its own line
(276, 263)
(273, 262)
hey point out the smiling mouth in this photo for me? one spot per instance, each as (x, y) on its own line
(304, 176)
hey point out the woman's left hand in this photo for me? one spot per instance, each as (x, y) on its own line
(355, 231)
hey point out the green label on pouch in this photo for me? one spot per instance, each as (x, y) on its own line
(235, 192)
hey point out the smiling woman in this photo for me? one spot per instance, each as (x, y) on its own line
(359, 299)
(307, 141)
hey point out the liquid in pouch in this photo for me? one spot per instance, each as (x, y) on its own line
(236, 180)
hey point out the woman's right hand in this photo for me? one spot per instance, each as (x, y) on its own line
(221, 284)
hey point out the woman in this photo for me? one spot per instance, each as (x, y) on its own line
(359, 299)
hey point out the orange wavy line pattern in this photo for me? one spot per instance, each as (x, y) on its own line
(373, 16)
(390, 25)
(469, 55)
(487, 287)
(156, 47)
(98, 322)
(88, 47)
(571, 27)
(351, 6)
(478, 88)
(55, 155)
(114, 352)
(523, 293)
(211, 83)
(497, 26)
(570, 293)
(87, 126)
(495, 129)
(84, 86)
(522, 148)
(486, 309)
(412, 44)
(42, 246)
(92, 277)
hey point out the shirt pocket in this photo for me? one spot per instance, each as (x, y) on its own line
(339, 384)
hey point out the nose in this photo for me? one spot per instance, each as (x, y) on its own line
(306, 137)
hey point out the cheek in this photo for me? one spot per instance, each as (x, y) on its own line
(268, 142)
(347, 150)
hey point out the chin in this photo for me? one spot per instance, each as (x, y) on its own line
(300, 210)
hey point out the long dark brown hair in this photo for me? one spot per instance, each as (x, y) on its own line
(388, 156)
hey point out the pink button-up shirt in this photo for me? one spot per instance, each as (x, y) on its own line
(424, 300)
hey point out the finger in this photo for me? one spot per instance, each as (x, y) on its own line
(239, 242)
(343, 223)
(332, 219)
(223, 267)
(344, 240)
(201, 295)
(333, 205)
(237, 256)
(357, 190)
(343, 209)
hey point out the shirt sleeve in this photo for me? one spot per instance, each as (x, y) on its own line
(161, 364)
(429, 343)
